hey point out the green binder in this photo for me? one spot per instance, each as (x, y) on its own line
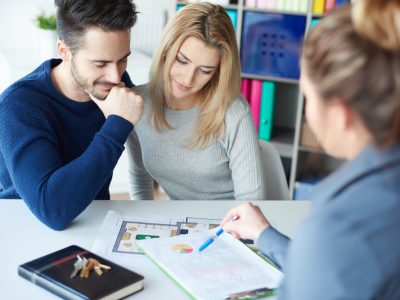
(266, 110)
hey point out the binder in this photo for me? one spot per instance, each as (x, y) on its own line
(255, 99)
(329, 4)
(319, 6)
(314, 22)
(271, 44)
(232, 13)
(179, 7)
(341, 2)
(266, 110)
(245, 89)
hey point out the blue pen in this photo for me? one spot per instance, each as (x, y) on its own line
(210, 240)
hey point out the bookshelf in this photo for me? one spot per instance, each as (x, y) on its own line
(302, 158)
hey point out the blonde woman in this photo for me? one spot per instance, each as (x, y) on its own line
(196, 137)
(349, 246)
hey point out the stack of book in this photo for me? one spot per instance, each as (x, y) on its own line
(307, 137)
(324, 6)
(261, 96)
(219, 2)
(299, 6)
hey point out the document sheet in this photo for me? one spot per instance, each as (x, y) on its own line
(225, 267)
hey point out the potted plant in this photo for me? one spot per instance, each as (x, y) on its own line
(47, 35)
(46, 22)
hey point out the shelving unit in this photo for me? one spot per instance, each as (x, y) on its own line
(273, 11)
(270, 78)
(289, 102)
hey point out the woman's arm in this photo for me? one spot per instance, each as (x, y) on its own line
(141, 183)
(244, 154)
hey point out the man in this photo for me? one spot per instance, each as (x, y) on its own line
(63, 126)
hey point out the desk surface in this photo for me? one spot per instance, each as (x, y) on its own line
(24, 238)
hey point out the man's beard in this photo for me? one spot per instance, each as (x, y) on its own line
(84, 87)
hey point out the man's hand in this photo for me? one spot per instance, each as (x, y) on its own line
(245, 221)
(123, 102)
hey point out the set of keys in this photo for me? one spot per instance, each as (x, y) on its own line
(84, 266)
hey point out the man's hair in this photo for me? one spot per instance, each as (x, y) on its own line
(75, 17)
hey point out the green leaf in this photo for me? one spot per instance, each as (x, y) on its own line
(46, 22)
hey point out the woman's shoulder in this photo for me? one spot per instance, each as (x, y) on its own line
(238, 110)
(142, 89)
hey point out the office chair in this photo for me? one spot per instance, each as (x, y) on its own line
(275, 184)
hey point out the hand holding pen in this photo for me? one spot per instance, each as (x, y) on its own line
(212, 238)
(249, 221)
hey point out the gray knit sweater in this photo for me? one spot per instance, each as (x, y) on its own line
(229, 168)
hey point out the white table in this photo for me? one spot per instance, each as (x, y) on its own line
(23, 237)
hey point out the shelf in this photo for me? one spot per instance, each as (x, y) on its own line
(231, 6)
(311, 149)
(274, 11)
(317, 163)
(270, 78)
(317, 15)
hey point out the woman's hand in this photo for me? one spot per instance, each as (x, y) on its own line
(245, 221)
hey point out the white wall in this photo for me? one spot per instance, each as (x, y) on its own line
(20, 38)
(19, 41)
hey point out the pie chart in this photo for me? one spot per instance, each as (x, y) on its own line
(182, 248)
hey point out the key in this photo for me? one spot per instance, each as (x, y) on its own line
(105, 267)
(78, 265)
(75, 272)
(89, 265)
(98, 270)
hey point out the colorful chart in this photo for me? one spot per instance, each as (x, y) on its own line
(182, 248)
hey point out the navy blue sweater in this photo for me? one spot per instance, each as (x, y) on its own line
(55, 153)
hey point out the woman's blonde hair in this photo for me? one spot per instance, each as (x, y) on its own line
(211, 24)
(353, 54)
